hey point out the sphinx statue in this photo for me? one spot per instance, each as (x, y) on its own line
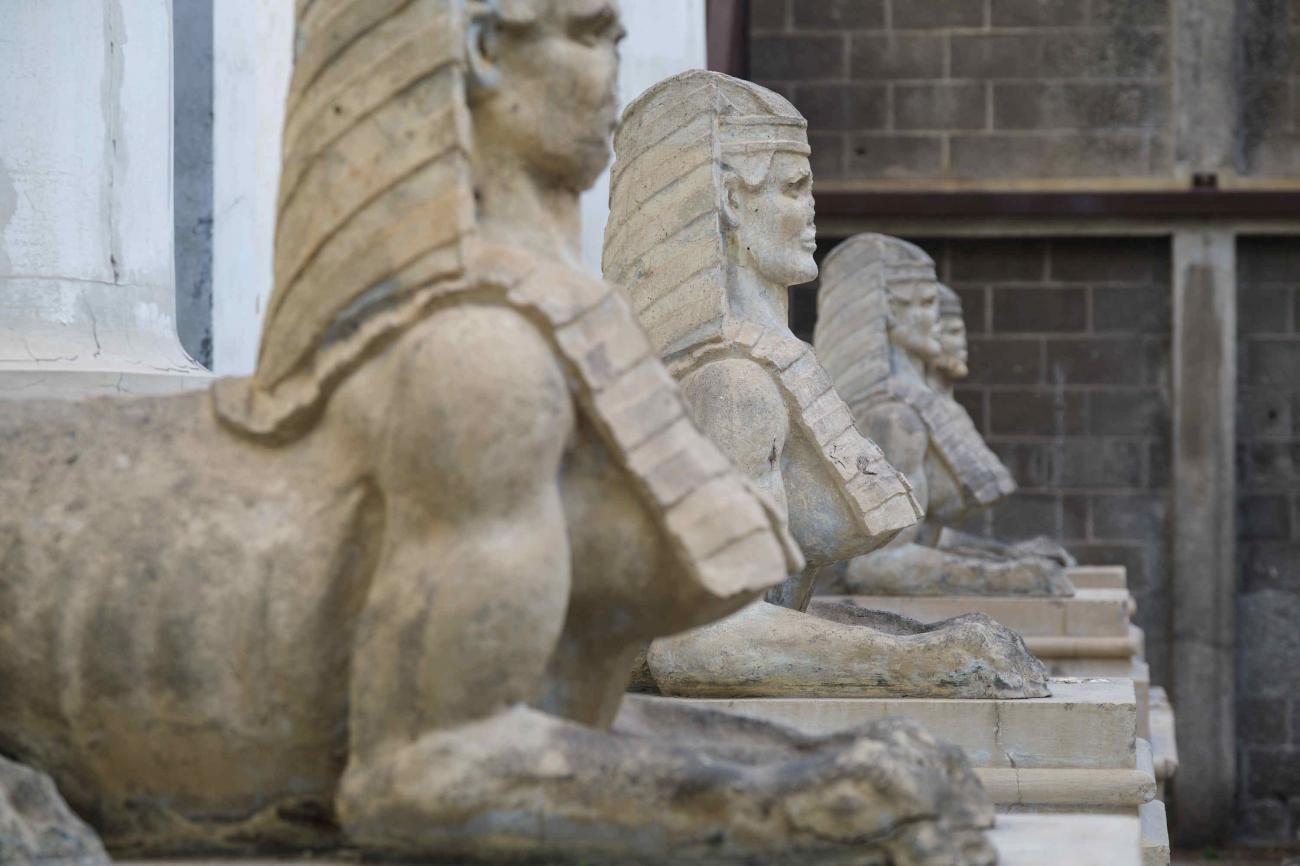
(385, 593)
(894, 341)
(711, 221)
(949, 367)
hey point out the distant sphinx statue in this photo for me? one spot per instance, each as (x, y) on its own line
(711, 221)
(892, 337)
(386, 592)
(950, 364)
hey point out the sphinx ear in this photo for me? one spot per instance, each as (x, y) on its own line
(481, 47)
(731, 197)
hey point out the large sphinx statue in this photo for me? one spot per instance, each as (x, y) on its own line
(386, 592)
(711, 221)
(892, 337)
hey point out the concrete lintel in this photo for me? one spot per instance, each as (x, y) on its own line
(1011, 227)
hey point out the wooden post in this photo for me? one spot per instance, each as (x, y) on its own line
(728, 29)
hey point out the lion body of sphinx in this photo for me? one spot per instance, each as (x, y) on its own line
(175, 609)
(178, 603)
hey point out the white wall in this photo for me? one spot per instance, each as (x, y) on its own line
(252, 57)
(87, 300)
(664, 37)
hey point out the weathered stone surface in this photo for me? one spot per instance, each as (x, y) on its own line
(711, 222)
(768, 650)
(37, 828)
(894, 340)
(385, 593)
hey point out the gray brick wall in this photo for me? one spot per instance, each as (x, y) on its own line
(984, 89)
(1070, 386)
(1268, 532)
(1268, 87)
(972, 88)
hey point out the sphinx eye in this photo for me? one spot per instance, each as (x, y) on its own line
(603, 26)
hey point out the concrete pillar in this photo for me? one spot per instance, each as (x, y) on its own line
(1204, 533)
(1205, 120)
(87, 297)
(192, 158)
(1205, 111)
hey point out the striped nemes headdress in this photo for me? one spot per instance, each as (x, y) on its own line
(665, 241)
(852, 333)
(949, 303)
(376, 196)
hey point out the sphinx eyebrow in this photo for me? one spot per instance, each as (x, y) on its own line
(598, 19)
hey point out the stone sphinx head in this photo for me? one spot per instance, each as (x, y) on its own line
(879, 302)
(767, 203)
(399, 116)
(951, 362)
(524, 57)
(711, 180)
(913, 293)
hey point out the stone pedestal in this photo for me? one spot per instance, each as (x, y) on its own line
(1021, 840)
(1076, 751)
(1086, 725)
(87, 298)
(1088, 635)
(1164, 743)
(1099, 577)
(1068, 840)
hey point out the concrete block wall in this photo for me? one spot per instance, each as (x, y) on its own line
(973, 89)
(1268, 87)
(1069, 384)
(1268, 545)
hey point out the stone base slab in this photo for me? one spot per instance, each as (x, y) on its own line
(1098, 576)
(1068, 840)
(1116, 792)
(1021, 840)
(1164, 743)
(1087, 724)
(1155, 834)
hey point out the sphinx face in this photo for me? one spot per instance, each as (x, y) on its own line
(953, 348)
(775, 229)
(914, 318)
(556, 103)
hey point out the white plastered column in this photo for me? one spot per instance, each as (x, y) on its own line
(87, 294)
(252, 56)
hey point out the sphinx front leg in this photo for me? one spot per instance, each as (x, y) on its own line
(523, 785)
(766, 651)
(914, 569)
